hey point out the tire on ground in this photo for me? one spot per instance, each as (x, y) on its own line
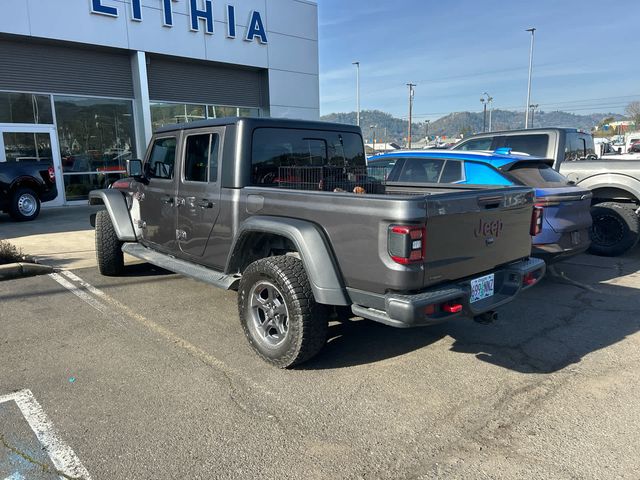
(22, 198)
(108, 247)
(615, 229)
(307, 320)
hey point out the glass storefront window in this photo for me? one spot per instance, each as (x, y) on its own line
(25, 108)
(248, 112)
(168, 113)
(96, 139)
(221, 112)
(27, 146)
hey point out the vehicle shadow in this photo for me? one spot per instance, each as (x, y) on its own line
(546, 329)
(50, 220)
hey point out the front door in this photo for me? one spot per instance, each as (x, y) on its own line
(157, 198)
(198, 200)
(19, 143)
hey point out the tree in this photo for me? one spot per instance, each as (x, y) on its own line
(633, 111)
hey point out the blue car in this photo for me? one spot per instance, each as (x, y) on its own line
(567, 217)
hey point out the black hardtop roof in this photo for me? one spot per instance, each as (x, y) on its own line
(252, 122)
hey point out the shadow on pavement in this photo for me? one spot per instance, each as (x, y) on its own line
(546, 329)
(50, 220)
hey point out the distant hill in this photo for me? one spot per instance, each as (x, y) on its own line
(458, 123)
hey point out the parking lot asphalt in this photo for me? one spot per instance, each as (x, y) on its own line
(149, 376)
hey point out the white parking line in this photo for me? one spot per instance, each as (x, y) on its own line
(63, 458)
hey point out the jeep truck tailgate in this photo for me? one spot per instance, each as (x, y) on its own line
(468, 233)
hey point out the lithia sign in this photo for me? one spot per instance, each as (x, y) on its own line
(199, 11)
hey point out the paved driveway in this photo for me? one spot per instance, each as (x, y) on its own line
(149, 376)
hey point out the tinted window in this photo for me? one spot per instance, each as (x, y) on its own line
(535, 145)
(274, 148)
(421, 170)
(201, 152)
(162, 158)
(538, 175)
(480, 174)
(380, 169)
(578, 146)
(452, 172)
(476, 144)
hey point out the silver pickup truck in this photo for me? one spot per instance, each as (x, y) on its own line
(615, 182)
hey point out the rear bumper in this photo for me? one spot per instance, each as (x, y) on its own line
(568, 245)
(415, 310)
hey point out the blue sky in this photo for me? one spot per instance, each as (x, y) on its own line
(585, 59)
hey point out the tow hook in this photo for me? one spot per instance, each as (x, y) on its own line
(486, 318)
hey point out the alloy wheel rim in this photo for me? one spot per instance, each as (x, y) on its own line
(269, 314)
(27, 204)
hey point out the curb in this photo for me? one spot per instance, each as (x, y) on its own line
(19, 270)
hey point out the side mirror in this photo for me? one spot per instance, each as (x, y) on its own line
(134, 168)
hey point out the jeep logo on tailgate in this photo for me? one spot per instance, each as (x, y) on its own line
(488, 228)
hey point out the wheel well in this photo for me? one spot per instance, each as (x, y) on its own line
(25, 182)
(252, 246)
(613, 194)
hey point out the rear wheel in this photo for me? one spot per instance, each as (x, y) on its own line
(25, 205)
(278, 313)
(108, 246)
(615, 229)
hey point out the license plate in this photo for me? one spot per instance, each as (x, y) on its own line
(482, 287)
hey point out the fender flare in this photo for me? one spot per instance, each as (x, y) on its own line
(612, 180)
(116, 205)
(315, 253)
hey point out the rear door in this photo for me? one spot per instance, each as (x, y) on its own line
(198, 199)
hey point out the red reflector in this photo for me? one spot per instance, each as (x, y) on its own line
(529, 279)
(52, 174)
(121, 184)
(429, 309)
(451, 307)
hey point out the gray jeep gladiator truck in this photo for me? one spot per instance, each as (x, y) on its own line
(284, 212)
(615, 183)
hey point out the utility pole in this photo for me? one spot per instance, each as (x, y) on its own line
(484, 114)
(426, 124)
(533, 111)
(373, 136)
(357, 64)
(526, 115)
(410, 85)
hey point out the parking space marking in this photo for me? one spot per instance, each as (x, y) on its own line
(67, 464)
(115, 309)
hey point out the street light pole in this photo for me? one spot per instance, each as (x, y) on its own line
(526, 115)
(533, 111)
(410, 85)
(357, 64)
(426, 124)
(484, 114)
(373, 135)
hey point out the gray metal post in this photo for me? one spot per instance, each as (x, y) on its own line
(526, 115)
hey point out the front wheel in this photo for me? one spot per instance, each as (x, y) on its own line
(278, 313)
(108, 247)
(615, 229)
(25, 205)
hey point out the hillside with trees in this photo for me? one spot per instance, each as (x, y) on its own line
(391, 129)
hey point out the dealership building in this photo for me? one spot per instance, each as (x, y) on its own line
(84, 83)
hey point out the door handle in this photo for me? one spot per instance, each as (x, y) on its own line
(168, 200)
(204, 203)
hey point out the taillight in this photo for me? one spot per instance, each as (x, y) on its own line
(452, 307)
(52, 174)
(406, 243)
(123, 183)
(536, 220)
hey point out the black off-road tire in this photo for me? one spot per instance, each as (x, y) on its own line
(307, 320)
(108, 247)
(615, 229)
(25, 205)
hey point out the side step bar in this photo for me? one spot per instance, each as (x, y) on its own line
(182, 267)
